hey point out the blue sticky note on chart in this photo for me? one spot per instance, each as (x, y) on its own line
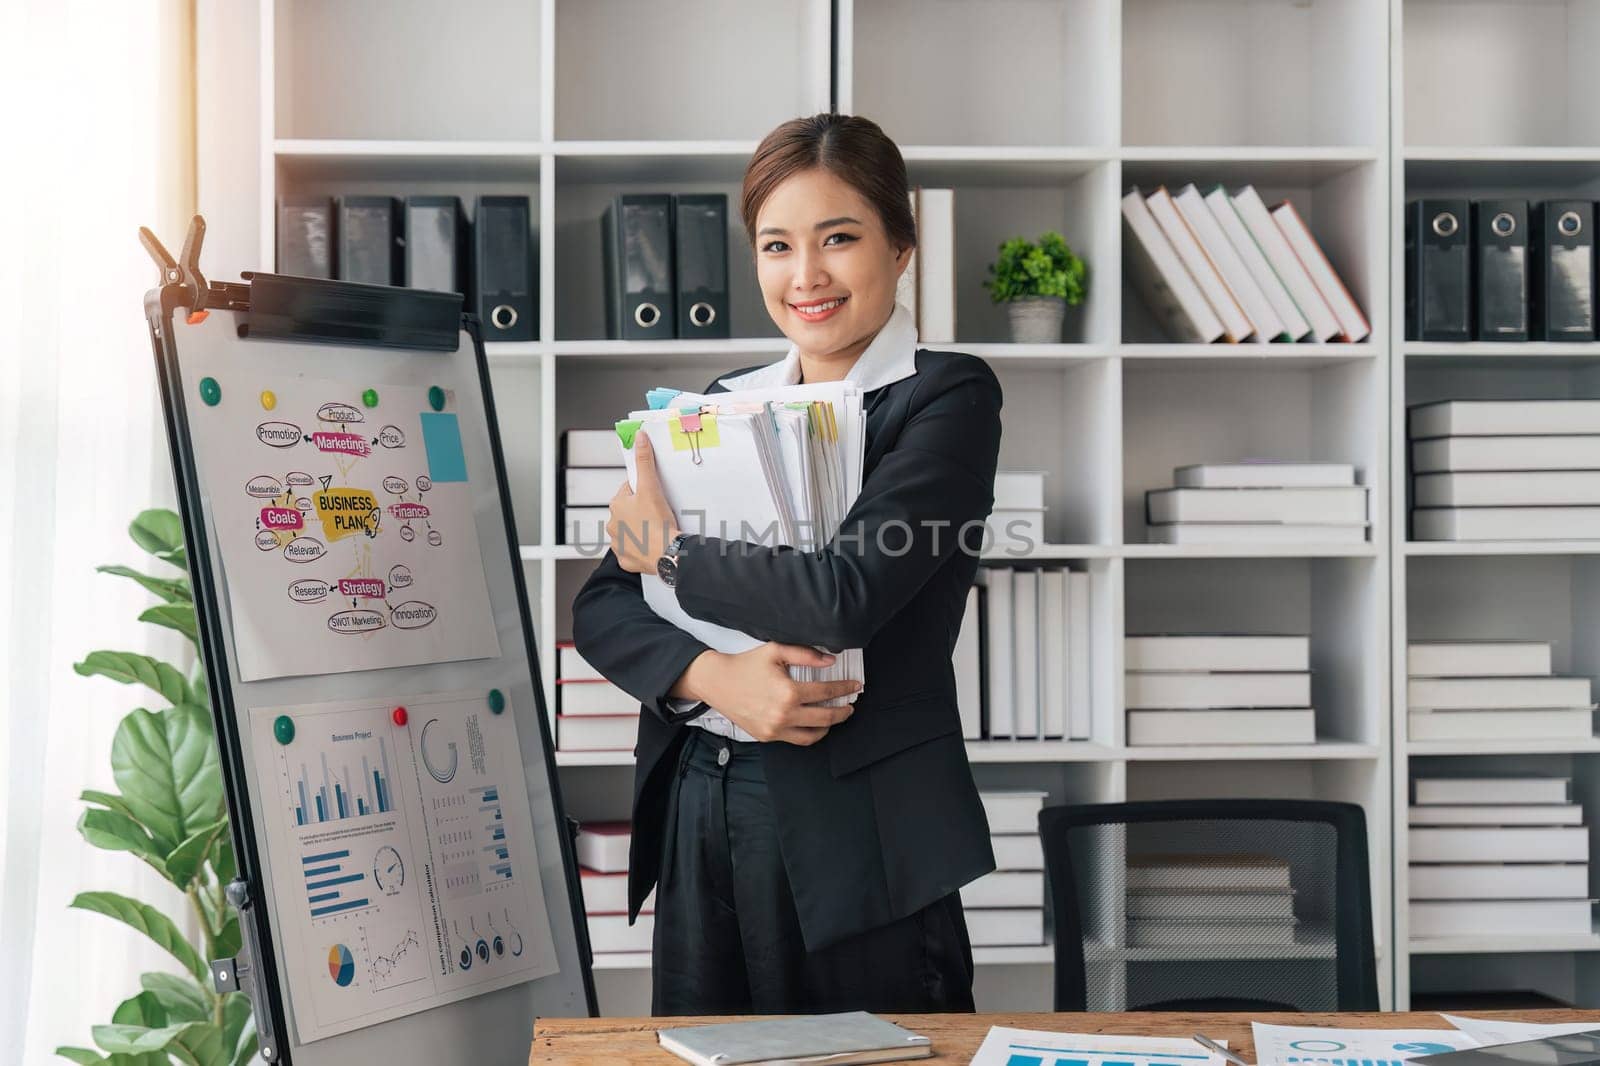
(441, 436)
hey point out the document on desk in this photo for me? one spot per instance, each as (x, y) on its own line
(776, 466)
(1304, 1045)
(1490, 1031)
(1034, 1047)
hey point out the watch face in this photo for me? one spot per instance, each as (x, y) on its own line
(667, 570)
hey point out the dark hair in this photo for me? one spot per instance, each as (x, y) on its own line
(851, 148)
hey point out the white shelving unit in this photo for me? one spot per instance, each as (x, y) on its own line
(1525, 125)
(1344, 107)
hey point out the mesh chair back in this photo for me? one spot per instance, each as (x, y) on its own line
(1211, 905)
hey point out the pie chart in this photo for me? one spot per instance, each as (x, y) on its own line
(341, 967)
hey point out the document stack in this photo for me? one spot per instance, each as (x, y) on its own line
(1493, 690)
(1016, 522)
(1498, 855)
(592, 714)
(1006, 907)
(1505, 470)
(1259, 501)
(591, 473)
(1219, 690)
(773, 467)
(1036, 654)
(1231, 899)
(1220, 266)
(602, 849)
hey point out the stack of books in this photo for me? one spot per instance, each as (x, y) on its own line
(592, 714)
(591, 473)
(1016, 522)
(1259, 501)
(1219, 690)
(1505, 470)
(1023, 663)
(1496, 855)
(1493, 690)
(1220, 266)
(603, 869)
(1006, 908)
(1231, 899)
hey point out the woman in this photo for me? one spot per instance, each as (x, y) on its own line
(807, 857)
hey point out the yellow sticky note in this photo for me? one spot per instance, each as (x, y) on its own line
(706, 438)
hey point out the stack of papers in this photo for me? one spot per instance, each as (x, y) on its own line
(777, 466)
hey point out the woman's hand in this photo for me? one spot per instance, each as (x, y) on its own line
(642, 522)
(754, 690)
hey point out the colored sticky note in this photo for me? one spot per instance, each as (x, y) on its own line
(706, 437)
(625, 431)
(441, 436)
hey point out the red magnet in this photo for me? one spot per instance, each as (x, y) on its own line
(399, 716)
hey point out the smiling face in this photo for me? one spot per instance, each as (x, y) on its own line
(826, 267)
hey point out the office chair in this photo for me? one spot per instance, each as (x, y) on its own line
(1242, 904)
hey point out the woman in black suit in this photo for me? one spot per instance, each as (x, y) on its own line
(807, 858)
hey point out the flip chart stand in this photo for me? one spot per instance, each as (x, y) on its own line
(274, 308)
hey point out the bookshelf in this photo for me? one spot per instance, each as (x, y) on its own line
(1344, 107)
(1521, 125)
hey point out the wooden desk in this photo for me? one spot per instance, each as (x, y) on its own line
(956, 1036)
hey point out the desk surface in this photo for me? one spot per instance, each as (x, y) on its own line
(956, 1036)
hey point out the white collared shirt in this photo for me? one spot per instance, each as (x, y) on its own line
(890, 357)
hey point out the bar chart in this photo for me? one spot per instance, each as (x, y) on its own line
(488, 800)
(334, 885)
(337, 795)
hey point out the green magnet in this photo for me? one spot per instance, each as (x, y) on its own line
(210, 391)
(436, 398)
(497, 700)
(370, 397)
(283, 729)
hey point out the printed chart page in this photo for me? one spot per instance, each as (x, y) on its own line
(344, 517)
(1032, 1047)
(1283, 1045)
(402, 855)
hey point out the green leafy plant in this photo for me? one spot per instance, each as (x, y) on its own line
(170, 814)
(1046, 267)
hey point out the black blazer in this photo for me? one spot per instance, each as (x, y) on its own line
(881, 817)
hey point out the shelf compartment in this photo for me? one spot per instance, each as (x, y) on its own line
(1341, 200)
(781, 46)
(1539, 88)
(919, 86)
(1252, 73)
(1064, 420)
(579, 278)
(990, 210)
(396, 69)
(1279, 410)
(1336, 602)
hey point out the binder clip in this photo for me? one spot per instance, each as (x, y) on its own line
(689, 422)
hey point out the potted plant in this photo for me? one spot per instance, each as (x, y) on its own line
(169, 813)
(1036, 280)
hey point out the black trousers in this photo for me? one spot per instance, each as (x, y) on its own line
(727, 939)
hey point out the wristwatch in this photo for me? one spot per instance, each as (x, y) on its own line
(667, 564)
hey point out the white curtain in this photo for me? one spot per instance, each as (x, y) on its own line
(96, 116)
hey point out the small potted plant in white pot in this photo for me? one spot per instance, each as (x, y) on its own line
(1036, 280)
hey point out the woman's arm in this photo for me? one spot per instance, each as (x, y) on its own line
(636, 649)
(938, 477)
(654, 661)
